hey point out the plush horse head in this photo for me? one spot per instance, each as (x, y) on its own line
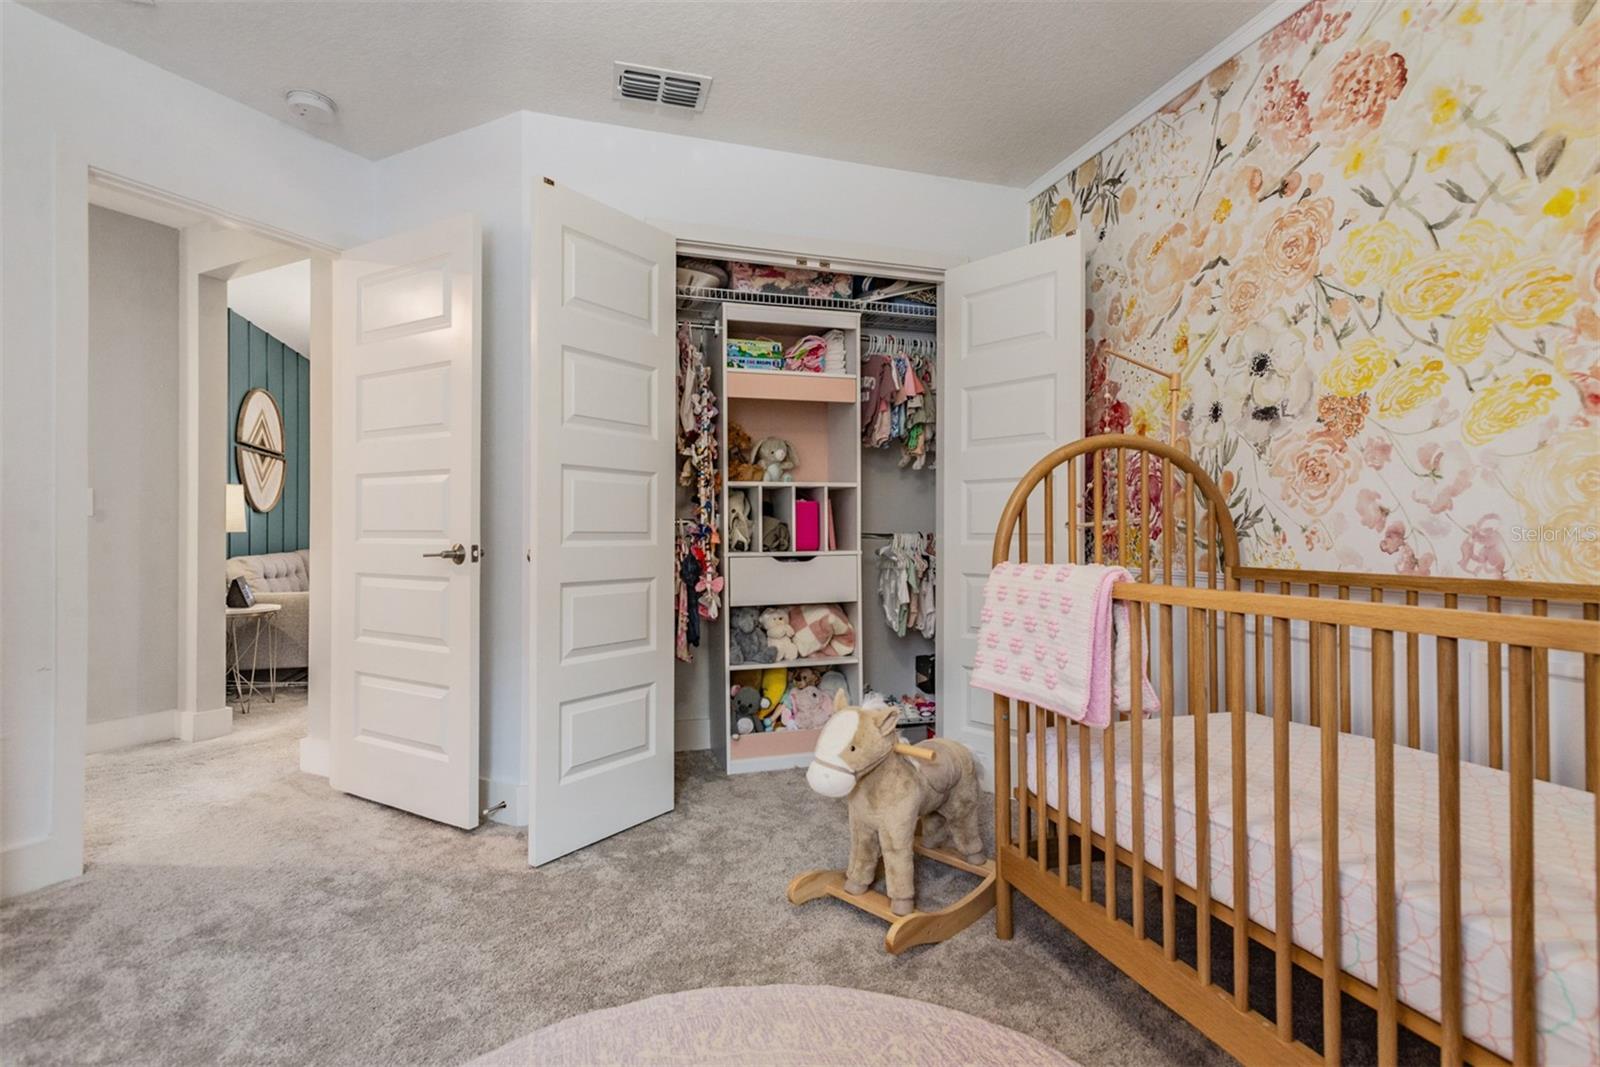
(852, 744)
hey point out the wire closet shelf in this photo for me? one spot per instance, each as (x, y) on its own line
(704, 304)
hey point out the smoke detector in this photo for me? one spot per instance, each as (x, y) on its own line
(653, 85)
(308, 105)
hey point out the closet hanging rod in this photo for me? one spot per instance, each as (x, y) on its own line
(890, 536)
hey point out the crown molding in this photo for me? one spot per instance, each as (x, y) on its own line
(1229, 46)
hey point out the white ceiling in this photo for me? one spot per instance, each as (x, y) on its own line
(995, 92)
(278, 301)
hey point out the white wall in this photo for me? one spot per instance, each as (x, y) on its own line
(133, 467)
(490, 171)
(68, 103)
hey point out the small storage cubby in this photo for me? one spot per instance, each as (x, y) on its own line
(776, 749)
(825, 436)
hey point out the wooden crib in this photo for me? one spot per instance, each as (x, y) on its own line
(1209, 810)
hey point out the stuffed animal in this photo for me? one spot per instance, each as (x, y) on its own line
(804, 677)
(740, 447)
(746, 709)
(855, 758)
(774, 535)
(811, 708)
(821, 630)
(740, 528)
(833, 683)
(749, 640)
(776, 458)
(779, 634)
(774, 681)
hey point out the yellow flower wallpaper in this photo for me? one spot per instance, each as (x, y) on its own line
(1374, 256)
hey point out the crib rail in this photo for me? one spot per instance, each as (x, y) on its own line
(1223, 638)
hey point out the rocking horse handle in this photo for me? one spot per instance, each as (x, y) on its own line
(914, 752)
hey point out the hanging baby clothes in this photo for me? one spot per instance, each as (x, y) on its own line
(906, 580)
(897, 398)
(698, 592)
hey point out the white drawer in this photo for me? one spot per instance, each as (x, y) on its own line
(762, 581)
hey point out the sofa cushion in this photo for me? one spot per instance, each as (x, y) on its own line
(275, 572)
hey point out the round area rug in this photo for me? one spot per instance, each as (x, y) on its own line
(782, 1025)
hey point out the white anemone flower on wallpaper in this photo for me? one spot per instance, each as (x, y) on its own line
(1268, 382)
(1207, 416)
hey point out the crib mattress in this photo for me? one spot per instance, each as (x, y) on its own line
(1567, 959)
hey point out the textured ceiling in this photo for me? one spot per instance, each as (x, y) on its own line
(994, 92)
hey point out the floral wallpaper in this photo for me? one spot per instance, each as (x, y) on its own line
(1370, 243)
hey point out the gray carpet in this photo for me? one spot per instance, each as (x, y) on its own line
(236, 910)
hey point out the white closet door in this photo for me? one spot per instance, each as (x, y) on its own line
(1012, 390)
(601, 529)
(404, 715)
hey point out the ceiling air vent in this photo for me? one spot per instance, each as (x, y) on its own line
(652, 85)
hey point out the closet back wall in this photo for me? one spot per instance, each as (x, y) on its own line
(258, 360)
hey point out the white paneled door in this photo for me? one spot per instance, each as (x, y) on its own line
(600, 524)
(404, 582)
(1013, 385)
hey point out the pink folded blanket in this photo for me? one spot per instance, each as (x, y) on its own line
(1051, 635)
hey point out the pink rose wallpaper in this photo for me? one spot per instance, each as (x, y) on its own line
(1377, 268)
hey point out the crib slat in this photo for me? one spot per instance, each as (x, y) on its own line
(1524, 1032)
(1167, 519)
(1496, 700)
(1050, 517)
(1041, 787)
(1144, 521)
(1022, 533)
(1025, 728)
(1074, 544)
(1282, 887)
(1261, 656)
(1122, 506)
(1541, 702)
(1108, 776)
(1234, 629)
(1213, 581)
(1188, 527)
(1413, 683)
(1063, 826)
(1344, 668)
(1591, 725)
(1099, 503)
(1325, 641)
(1085, 818)
(1383, 804)
(1449, 755)
(1136, 760)
(1169, 894)
(1313, 668)
(1002, 812)
(1202, 793)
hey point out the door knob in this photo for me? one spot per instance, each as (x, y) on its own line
(455, 554)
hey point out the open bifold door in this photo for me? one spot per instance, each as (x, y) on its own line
(404, 581)
(600, 523)
(1012, 390)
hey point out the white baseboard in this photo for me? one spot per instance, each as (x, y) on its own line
(492, 791)
(204, 725)
(314, 756)
(133, 730)
(692, 735)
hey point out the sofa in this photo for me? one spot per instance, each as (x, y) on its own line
(281, 578)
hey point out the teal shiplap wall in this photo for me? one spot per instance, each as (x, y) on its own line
(256, 359)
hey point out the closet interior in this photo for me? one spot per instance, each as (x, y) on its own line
(805, 550)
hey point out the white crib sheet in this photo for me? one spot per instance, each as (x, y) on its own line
(1567, 960)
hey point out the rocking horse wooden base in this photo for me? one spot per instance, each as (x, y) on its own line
(920, 927)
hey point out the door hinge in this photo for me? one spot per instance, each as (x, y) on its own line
(477, 553)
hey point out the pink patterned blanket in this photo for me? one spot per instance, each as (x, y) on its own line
(1051, 635)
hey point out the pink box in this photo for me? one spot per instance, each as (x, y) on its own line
(807, 526)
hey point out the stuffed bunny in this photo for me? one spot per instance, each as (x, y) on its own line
(776, 458)
(740, 529)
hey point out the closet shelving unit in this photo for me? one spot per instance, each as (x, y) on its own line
(818, 413)
(873, 314)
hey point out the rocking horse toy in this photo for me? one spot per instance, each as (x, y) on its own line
(890, 787)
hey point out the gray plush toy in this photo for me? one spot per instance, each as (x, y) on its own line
(748, 638)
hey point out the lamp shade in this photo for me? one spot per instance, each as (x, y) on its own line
(236, 516)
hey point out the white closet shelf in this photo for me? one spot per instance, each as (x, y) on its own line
(873, 312)
(815, 661)
(792, 485)
(795, 554)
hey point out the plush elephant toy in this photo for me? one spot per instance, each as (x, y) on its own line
(855, 758)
